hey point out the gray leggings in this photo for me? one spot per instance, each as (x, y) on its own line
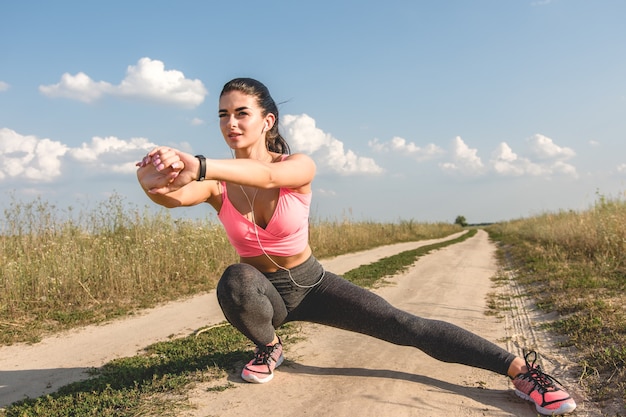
(257, 304)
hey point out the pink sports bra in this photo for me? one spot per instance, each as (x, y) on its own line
(286, 234)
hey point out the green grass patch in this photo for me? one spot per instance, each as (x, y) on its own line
(152, 383)
(367, 275)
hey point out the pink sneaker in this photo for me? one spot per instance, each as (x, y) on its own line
(261, 368)
(540, 388)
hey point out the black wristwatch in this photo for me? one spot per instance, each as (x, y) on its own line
(202, 172)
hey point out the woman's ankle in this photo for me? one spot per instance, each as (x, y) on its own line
(518, 366)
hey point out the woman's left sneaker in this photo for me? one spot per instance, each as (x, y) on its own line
(541, 388)
(261, 368)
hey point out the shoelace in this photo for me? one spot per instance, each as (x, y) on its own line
(544, 380)
(263, 354)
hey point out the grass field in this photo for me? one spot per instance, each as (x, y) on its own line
(62, 269)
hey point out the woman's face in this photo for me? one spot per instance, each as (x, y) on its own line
(241, 120)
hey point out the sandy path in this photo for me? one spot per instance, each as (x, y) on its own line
(333, 372)
(338, 373)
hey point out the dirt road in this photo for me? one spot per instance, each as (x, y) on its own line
(332, 372)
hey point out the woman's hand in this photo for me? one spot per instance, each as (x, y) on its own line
(164, 170)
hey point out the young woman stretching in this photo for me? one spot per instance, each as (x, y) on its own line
(263, 197)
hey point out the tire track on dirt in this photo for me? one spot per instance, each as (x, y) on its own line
(523, 327)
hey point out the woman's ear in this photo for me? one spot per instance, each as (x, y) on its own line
(270, 119)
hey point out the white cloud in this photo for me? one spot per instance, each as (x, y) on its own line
(26, 157)
(621, 168)
(400, 145)
(148, 80)
(328, 152)
(549, 159)
(542, 157)
(3, 86)
(561, 167)
(465, 160)
(77, 87)
(111, 153)
(506, 162)
(543, 147)
(551, 156)
(196, 121)
(326, 192)
(594, 143)
(29, 158)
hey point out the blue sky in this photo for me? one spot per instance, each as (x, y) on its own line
(412, 110)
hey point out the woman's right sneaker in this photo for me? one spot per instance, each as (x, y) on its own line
(261, 368)
(542, 389)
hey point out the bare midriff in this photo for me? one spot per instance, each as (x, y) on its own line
(265, 265)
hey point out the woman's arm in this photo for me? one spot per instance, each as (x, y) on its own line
(178, 169)
(295, 172)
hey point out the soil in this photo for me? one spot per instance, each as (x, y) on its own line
(332, 372)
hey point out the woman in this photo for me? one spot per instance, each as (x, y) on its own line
(263, 197)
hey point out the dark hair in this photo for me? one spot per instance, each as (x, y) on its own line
(273, 140)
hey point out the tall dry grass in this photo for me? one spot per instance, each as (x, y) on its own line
(574, 263)
(60, 268)
(596, 236)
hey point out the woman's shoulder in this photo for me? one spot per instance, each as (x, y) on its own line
(300, 157)
(299, 172)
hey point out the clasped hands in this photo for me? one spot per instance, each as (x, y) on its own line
(164, 170)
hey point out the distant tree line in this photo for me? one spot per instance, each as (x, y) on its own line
(462, 221)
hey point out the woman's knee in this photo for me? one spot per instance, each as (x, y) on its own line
(236, 281)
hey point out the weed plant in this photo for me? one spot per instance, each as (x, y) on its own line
(574, 263)
(61, 268)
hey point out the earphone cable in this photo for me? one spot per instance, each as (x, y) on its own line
(258, 239)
